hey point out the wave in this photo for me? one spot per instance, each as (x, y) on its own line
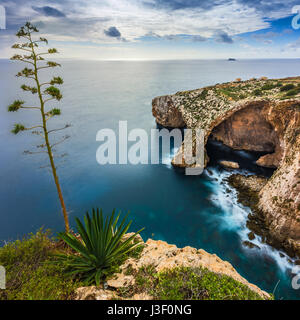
(166, 159)
(234, 217)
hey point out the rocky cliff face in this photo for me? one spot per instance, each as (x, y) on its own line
(249, 129)
(256, 115)
(166, 113)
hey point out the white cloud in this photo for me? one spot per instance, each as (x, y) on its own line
(86, 21)
(134, 20)
(294, 45)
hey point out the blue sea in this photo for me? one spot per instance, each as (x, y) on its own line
(184, 210)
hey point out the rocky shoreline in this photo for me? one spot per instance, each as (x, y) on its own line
(254, 115)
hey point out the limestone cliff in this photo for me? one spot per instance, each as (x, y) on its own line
(256, 115)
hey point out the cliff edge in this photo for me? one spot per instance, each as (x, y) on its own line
(142, 277)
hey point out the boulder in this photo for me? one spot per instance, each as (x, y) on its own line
(230, 164)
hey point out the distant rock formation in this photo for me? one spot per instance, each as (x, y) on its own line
(257, 115)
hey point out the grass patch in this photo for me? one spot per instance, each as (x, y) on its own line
(293, 92)
(230, 93)
(33, 272)
(287, 87)
(269, 86)
(187, 283)
(203, 94)
(257, 93)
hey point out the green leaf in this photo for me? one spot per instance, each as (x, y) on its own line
(55, 112)
(44, 40)
(26, 72)
(33, 90)
(53, 64)
(56, 80)
(15, 106)
(17, 128)
(54, 92)
(52, 50)
(100, 245)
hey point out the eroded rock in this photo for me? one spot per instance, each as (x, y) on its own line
(253, 115)
(166, 113)
(230, 164)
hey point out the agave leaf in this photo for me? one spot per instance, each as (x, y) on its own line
(126, 246)
(108, 228)
(101, 245)
(75, 244)
(116, 221)
(98, 277)
(84, 234)
(118, 237)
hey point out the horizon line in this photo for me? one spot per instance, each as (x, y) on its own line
(178, 59)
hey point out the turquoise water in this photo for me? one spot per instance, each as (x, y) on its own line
(184, 210)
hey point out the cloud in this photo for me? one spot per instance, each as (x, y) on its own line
(294, 45)
(49, 11)
(268, 41)
(264, 36)
(271, 9)
(223, 37)
(175, 37)
(136, 18)
(91, 22)
(274, 9)
(113, 32)
(199, 39)
(182, 4)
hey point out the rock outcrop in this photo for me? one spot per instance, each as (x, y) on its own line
(166, 113)
(230, 164)
(250, 129)
(161, 256)
(256, 115)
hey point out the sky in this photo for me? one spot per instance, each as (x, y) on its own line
(158, 29)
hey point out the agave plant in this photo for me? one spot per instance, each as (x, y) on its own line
(99, 245)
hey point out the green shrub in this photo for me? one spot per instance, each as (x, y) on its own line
(230, 93)
(269, 86)
(287, 87)
(100, 248)
(32, 270)
(293, 92)
(203, 94)
(257, 92)
(187, 283)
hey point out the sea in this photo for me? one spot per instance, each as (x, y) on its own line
(198, 211)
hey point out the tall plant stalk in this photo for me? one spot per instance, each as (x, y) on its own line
(46, 92)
